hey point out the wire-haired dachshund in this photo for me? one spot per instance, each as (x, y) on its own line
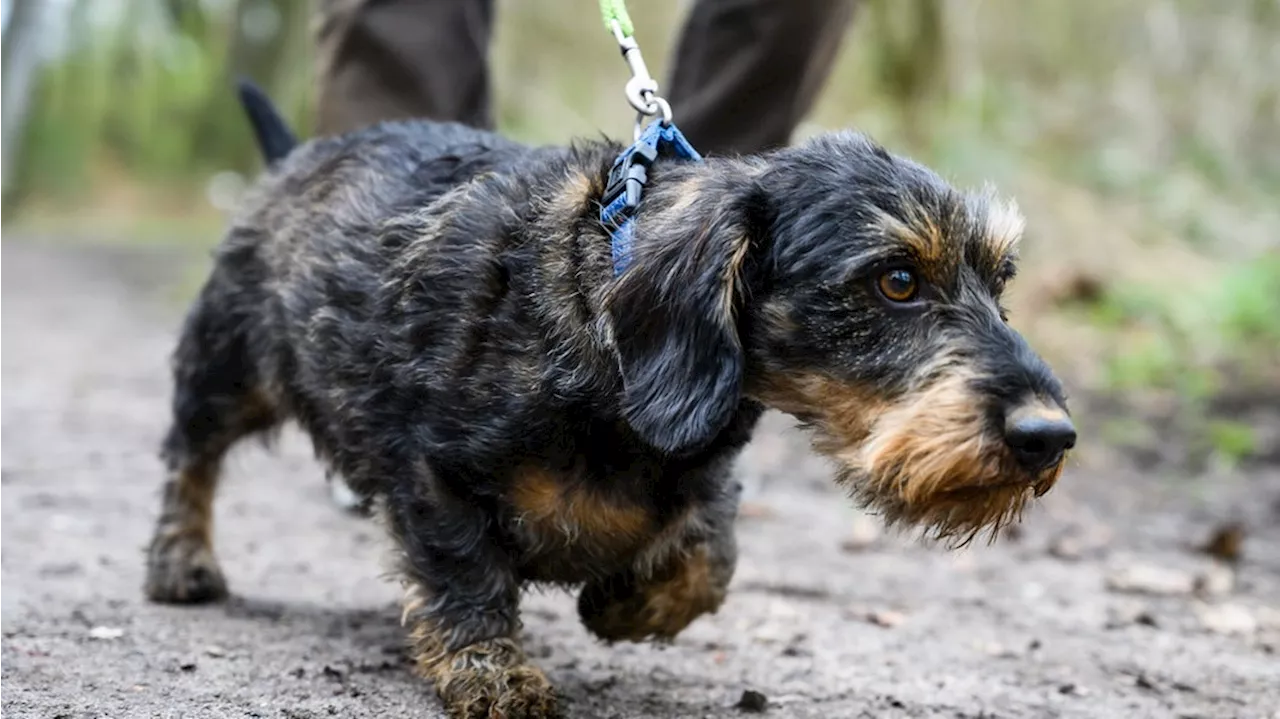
(438, 308)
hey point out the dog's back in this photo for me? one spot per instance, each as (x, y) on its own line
(349, 256)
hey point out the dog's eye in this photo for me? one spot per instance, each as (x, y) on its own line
(899, 285)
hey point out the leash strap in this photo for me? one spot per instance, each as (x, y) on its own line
(616, 11)
(661, 138)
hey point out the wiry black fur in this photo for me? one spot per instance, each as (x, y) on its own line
(435, 305)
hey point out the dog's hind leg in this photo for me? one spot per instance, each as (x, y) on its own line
(217, 400)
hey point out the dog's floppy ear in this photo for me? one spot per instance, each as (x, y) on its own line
(674, 314)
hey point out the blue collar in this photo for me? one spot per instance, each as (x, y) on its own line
(627, 179)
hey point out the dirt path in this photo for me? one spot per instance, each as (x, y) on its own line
(891, 630)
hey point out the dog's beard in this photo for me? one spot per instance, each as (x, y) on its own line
(929, 461)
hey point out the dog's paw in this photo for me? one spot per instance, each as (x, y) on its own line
(183, 570)
(518, 692)
(489, 680)
(636, 617)
(655, 610)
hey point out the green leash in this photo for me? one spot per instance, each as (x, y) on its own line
(641, 89)
(616, 11)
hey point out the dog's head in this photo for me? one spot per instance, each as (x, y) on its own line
(860, 293)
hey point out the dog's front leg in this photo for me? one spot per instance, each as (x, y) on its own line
(463, 613)
(659, 602)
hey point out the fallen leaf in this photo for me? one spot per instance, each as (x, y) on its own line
(1226, 542)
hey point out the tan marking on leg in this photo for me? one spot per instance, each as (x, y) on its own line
(181, 566)
(661, 606)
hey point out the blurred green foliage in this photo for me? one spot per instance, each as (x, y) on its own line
(1123, 127)
(148, 94)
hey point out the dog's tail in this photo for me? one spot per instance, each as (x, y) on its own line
(273, 134)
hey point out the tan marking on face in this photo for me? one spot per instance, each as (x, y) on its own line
(924, 459)
(930, 461)
(844, 411)
(1037, 409)
(921, 233)
(1004, 224)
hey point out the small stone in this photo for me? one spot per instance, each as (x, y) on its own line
(1226, 618)
(1149, 579)
(752, 702)
(1216, 581)
(1066, 547)
(106, 633)
(1076, 543)
(886, 618)
(999, 651)
(1074, 690)
(756, 510)
(1125, 613)
(863, 535)
(187, 666)
(215, 651)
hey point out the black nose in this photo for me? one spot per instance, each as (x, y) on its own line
(1038, 435)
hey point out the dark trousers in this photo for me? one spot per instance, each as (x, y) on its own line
(746, 72)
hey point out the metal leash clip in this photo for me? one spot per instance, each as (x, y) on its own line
(641, 89)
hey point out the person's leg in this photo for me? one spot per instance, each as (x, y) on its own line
(746, 72)
(396, 59)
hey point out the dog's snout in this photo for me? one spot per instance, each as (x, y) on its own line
(1039, 435)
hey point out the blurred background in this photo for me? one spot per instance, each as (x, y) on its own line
(1141, 138)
